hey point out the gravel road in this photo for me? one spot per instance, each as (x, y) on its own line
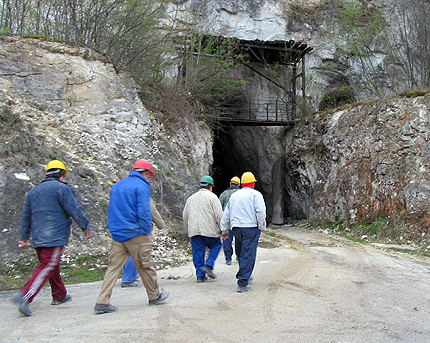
(308, 287)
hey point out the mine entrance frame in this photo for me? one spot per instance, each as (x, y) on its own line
(288, 53)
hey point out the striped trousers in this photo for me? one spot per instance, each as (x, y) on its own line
(47, 270)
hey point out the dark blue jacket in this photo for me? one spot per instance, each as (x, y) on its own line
(129, 213)
(47, 211)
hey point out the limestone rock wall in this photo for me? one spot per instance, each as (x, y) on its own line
(84, 112)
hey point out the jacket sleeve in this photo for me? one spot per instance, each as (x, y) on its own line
(156, 216)
(144, 216)
(25, 224)
(185, 215)
(225, 219)
(217, 210)
(73, 208)
(222, 199)
(260, 210)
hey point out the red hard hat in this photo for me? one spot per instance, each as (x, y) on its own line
(141, 165)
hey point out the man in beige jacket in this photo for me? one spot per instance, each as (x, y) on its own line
(202, 215)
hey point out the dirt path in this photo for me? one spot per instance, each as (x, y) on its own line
(308, 287)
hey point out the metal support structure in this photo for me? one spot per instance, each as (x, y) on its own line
(294, 97)
(303, 78)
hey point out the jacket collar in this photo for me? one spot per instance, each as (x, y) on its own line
(134, 173)
(53, 179)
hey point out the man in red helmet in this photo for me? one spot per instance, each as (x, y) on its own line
(130, 223)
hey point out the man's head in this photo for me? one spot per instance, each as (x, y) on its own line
(235, 181)
(144, 167)
(207, 182)
(55, 168)
(248, 180)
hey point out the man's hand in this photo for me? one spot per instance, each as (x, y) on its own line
(24, 243)
(87, 234)
(224, 235)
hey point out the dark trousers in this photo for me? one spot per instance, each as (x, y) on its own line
(198, 246)
(227, 246)
(246, 242)
(47, 270)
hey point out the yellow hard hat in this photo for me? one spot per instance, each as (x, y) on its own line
(55, 164)
(248, 177)
(235, 179)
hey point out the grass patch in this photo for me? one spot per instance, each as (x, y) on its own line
(409, 237)
(414, 94)
(80, 269)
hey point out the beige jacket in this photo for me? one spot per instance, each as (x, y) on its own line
(202, 214)
(156, 216)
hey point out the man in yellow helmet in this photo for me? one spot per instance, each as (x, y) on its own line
(46, 217)
(227, 244)
(245, 213)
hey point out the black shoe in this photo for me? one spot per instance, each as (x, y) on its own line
(163, 296)
(66, 299)
(128, 284)
(102, 308)
(208, 271)
(228, 263)
(201, 279)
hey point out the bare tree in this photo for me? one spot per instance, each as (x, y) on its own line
(408, 40)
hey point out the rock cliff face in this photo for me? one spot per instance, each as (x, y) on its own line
(357, 164)
(68, 102)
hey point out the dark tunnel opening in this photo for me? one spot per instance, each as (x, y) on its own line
(281, 199)
(228, 163)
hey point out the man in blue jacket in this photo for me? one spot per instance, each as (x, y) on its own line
(130, 223)
(46, 216)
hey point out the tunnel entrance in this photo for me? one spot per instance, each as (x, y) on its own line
(229, 162)
(226, 162)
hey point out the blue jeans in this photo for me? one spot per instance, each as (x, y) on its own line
(198, 246)
(227, 246)
(129, 273)
(246, 249)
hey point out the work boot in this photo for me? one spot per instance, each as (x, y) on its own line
(103, 308)
(201, 279)
(208, 271)
(24, 309)
(66, 299)
(163, 296)
(128, 284)
(243, 289)
(23, 304)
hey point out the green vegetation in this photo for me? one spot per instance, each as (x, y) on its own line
(80, 269)
(138, 38)
(397, 235)
(18, 142)
(414, 94)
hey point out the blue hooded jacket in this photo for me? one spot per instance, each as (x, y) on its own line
(47, 211)
(129, 213)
